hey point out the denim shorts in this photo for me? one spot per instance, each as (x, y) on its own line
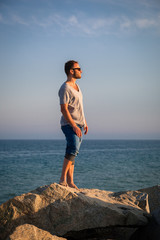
(73, 142)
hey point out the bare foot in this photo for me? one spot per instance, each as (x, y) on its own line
(72, 185)
(63, 184)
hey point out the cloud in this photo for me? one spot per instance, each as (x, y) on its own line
(110, 25)
(19, 20)
(70, 24)
(146, 23)
(140, 24)
(2, 20)
(101, 23)
(76, 24)
(73, 20)
(125, 23)
(13, 19)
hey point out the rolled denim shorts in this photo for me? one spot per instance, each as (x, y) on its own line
(73, 142)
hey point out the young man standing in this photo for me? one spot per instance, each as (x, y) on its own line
(72, 121)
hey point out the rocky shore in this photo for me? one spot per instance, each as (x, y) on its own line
(57, 212)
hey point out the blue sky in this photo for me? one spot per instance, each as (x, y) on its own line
(117, 44)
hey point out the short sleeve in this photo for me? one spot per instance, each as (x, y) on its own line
(63, 96)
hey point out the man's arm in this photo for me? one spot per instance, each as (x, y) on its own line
(85, 128)
(69, 119)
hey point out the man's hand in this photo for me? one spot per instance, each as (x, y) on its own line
(78, 131)
(67, 116)
(85, 129)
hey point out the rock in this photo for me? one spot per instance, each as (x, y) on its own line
(152, 230)
(68, 212)
(106, 233)
(153, 197)
(149, 232)
(136, 197)
(156, 216)
(30, 232)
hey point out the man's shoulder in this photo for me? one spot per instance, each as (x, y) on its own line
(64, 88)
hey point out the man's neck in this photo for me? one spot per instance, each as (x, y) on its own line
(71, 80)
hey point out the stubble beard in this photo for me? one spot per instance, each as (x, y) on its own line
(76, 76)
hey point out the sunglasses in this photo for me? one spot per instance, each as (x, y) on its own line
(79, 69)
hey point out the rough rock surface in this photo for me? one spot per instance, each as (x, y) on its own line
(30, 232)
(65, 211)
(153, 197)
(151, 231)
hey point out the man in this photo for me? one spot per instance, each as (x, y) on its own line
(72, 121)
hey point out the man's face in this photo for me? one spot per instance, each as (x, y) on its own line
(76, 71)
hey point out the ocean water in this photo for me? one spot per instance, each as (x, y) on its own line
(112, 165)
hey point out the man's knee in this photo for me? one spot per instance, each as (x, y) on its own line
(70, 157)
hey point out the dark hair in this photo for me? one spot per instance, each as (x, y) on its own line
(69, 65)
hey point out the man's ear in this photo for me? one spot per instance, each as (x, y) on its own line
(72, 71)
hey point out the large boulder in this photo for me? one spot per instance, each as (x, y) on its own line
(64, 211)
(153, 197)
(151, 231)
(30, 232)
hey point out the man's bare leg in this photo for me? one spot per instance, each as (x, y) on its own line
(66, 166)
(70, 174)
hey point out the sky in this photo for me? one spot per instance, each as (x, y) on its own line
(117, 45)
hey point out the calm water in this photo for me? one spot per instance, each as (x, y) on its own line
(104, 164)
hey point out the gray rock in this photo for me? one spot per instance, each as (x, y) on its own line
(149, 232)
(30, 232)
(138, 198)
(153, 197)
(152, 230)
(60, 210)
(156, 216)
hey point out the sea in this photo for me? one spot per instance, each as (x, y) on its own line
(111, 165)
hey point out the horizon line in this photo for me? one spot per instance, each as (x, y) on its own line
(98, 139)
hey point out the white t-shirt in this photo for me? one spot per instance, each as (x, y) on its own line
(74, 99)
